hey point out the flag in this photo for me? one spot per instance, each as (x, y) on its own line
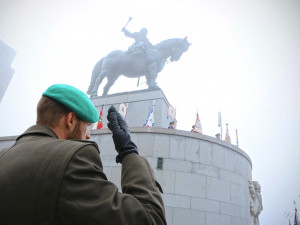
(220, 120)
(197, 127)
(171, 112)
(123, 110)
(227, 137)
(296, 220)
(99, 124)
(150, 119)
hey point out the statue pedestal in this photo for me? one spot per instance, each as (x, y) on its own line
(139, 106)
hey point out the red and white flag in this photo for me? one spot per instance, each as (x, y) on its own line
(197, 127)
(227, 137)
(99, 125)
(171, 112)
(123, 110)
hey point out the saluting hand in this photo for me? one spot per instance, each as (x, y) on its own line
(121, 134)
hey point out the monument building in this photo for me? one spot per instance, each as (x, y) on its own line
(205, 180)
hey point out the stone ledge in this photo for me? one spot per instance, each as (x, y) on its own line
(131, 96)
(8, 138)
(157, 130)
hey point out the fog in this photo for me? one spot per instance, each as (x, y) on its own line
(243, 61)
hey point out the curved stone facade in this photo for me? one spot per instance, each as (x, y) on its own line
(205, 180)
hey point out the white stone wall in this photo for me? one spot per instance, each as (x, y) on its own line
(205, 180)
(139, 106)
(6, 142)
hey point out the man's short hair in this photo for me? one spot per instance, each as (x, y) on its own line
(49, 112)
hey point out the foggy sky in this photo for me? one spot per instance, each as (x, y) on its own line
(243, 61)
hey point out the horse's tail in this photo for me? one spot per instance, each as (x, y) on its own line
(96, 72)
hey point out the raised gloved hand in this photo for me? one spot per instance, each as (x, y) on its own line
(121, 134)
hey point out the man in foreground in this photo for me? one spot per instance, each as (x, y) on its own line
(46, 178)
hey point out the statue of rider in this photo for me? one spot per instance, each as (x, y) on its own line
(141, 41)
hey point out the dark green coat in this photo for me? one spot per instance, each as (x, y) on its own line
(45, 180)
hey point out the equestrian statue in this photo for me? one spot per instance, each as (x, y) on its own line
(141, 59)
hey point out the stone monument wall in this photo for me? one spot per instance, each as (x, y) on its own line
(205, 180)
(7, 141)
(139, 106)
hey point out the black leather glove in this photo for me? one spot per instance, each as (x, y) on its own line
(121, 134)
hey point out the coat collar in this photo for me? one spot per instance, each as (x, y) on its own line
(47, 131)
(39, 130)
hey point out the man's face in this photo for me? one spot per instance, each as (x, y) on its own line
(81, 131)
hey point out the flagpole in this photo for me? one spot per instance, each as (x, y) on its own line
(220, 122)
(175, 118)
(221, 131)
(296, 219)
(226, 131)
(197, 118)
(237, 138)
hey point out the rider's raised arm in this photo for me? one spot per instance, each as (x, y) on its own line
(127, 33)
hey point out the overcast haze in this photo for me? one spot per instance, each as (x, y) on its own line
(243, 61)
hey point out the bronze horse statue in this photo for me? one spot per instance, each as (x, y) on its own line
(147, 64)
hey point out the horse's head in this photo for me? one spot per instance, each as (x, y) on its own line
(179, 48)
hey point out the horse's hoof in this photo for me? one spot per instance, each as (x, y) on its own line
(93, 96)
(153, 87)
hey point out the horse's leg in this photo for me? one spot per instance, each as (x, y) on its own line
(92, 82)
(95, 74)
(110, 81)
(98, 81)
(151, 77)
(148, 79)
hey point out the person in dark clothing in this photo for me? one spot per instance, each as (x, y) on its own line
(171, 125)
(47, 177)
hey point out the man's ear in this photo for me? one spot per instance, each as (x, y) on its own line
(71, 120)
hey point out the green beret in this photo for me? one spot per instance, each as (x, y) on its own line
(74, 99)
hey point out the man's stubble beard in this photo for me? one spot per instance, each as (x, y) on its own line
(76, 133)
